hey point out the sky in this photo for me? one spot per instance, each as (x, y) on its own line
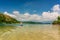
(31, 10)
(31, 6)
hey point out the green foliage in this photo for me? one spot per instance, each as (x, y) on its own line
(58, 17)
(7, 19)
(57, 21)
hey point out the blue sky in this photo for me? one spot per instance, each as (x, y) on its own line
(31, 6)
(31, 10)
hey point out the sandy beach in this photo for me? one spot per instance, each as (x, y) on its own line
(32, 33)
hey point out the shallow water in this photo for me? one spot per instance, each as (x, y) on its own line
(31, 32)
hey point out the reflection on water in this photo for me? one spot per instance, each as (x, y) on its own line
(30, 32)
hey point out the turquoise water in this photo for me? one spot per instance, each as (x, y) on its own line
(41, 26)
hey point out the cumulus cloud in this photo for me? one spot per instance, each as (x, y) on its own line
(49, 16)
(17, 13)
(6, 13)
(46, 16)
(26, 15)
(56, 8)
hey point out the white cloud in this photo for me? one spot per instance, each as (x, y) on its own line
(17, 13)
(49, 16)
(46, 16)
(26, 15)
(6, 13)
(35, 17)
(56, 8)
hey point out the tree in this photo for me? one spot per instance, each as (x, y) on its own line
(57, 21)
(7, 19)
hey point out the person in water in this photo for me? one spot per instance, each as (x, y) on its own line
(21, 24)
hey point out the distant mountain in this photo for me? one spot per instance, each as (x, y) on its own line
(7, 19)
(47, 22)
(31, 22)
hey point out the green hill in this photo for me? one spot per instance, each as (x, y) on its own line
(7, 19)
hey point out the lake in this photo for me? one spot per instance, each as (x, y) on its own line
(30, 32)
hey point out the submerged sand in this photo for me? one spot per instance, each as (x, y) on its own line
(32, 33)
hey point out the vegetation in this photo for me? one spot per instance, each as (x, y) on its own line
(7, 19)
(31, 22)
(57, 21)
